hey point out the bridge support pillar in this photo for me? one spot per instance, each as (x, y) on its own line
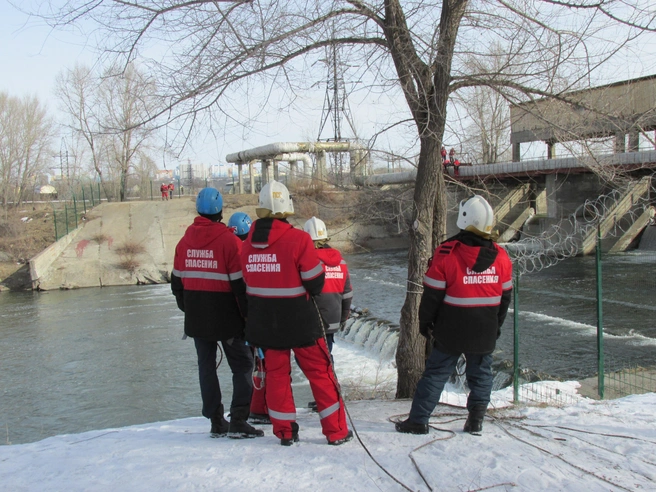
(320, 172)
(550, 149)
(251, 175)
(516, 155)
(634, 141)
(264, 174)
(240, 177)
(620, 143)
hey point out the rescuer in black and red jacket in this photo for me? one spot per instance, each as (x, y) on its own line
(208, 285)
(282, 274)
(467, 291)
(335, 299)
(240, 224)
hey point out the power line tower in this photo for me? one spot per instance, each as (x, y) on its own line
(336, 109)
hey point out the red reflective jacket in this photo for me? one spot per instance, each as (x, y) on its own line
(207, 281)
(335, 299)
(466, 294)
(282, 272)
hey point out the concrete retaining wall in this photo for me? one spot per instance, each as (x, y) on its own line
(41, 263)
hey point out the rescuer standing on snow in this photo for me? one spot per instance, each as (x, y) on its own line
(208, 285)
(467, 291)
(282, 274)
(335, 299)
(240, 223)
(334, 302)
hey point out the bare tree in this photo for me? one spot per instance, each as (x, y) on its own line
(112, 113)
(26, 132)
(76, 89)
(217, 52)
(128, 99)
(485, 135)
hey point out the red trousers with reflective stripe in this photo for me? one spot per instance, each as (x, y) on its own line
(316, 364)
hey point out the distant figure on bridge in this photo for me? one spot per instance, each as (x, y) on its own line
(456, 167)
(164, 189)
(171, 190)
(452, 155)
(443, 154)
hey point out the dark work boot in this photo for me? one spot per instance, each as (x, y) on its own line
(259, 418)
(474, 423)
(293, 439)
(239, 428)
(347, 438)
(408, 427)
(219, 423)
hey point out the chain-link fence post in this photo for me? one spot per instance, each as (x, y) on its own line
(75, 210)
(54, 214)
(66, 216)
(600, 317)
(516, 338)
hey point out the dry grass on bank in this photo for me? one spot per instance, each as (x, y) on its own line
(24, 232)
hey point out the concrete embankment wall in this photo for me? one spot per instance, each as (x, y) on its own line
(41, 263)
(648, 239)
(94, 254)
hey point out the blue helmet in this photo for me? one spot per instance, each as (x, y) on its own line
(240, 223)
(209, 201)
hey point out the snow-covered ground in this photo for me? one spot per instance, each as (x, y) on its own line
(581, 445)
(587, 446)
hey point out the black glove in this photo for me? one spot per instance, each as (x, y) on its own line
(426, 329)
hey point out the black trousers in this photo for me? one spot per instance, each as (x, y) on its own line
(240, 360)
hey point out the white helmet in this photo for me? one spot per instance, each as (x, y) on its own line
(275, 201)
(475, 214)
(316, 229)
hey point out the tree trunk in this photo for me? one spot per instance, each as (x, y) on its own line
(411, 346)
(429, 215)
(123, 184)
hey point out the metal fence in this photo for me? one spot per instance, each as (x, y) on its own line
(618, 302)
(71, 204)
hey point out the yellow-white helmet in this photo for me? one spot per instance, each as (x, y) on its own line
(316, 228)
(275, 201)
(475, 214)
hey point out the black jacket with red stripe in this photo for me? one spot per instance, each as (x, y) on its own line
(282, 273)
(467, 291)
(207, 281)
(335, 299)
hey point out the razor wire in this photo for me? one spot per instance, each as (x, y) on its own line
(565, 239)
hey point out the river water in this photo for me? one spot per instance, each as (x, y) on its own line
(557, 311)
(99, 358)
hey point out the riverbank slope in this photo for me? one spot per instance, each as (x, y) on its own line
(133, 242)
